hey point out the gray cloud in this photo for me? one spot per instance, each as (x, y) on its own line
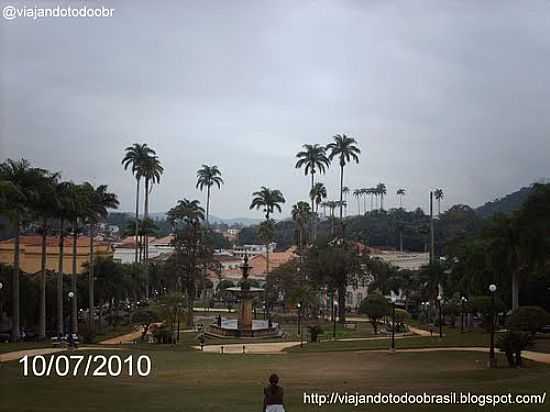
(438, 93)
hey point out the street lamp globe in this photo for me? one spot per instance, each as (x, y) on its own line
(1, 285)
(464, 299)
(492, 288)
(335, 304)
(439, 298)
(298, 305)
(70, 295)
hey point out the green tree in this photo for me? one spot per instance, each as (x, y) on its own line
(44, 207)
(99, 202)
(208, 176)
(314, 160)
(400, 193)
(346, 150)
(134, 157)
(301, 214)
(191, 250)
(23, 181)
(529, 319)
(375, 306)
(439, 195)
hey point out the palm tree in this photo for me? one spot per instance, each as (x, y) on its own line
(78, 207)
(346, 150)
(358, 194)
(400, 193)
(191, 214)
(268, 199)
(372, 192)
(20, 189)
(134, 157)
(381, 190)
(317, 194)
(63, 213)
(208, 176)
(438, 194)
(314, 159)
(99, 201)
(301, 213)
(151, 170)
(187, 211)
(44, 208)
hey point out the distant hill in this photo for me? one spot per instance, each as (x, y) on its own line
(506, 204)
(245, 221)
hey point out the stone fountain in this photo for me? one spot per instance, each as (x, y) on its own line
(245, 325)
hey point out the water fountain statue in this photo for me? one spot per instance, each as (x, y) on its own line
(245, 325)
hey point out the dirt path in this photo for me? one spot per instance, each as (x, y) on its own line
(120, 340)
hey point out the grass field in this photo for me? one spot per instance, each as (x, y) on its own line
(193, 381)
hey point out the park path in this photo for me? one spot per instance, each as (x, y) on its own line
(11, 356)
(120, 340)
(250, 348)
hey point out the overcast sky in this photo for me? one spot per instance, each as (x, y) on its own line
(450, 94)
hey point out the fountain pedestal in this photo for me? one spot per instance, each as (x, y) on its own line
(245, 326)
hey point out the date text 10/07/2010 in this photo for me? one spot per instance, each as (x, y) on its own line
(86, 365)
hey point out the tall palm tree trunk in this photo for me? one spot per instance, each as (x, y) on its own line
(146, 240)
(15, 329)
(342, 303)
(42, 329)
(91, 325)
(341, 194)
(207, 208)
(60, 328)
(515, 291)
(74, 303)
(146, 216)
(137, 221)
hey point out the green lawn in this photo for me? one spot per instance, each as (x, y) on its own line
(193, 381)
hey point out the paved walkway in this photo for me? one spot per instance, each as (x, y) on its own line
(254, 348)
(11, 356)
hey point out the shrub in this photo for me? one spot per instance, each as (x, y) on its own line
(375, 306)
(512, 343)
(314, 332)
(528, 319)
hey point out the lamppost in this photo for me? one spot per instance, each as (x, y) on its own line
(334, 311)
(299, 306)
(492, 358)
(70, 295)
(463, 300)
(1, 303)
(393, 299)
(440, 302)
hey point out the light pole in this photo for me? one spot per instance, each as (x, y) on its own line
(1, 303)
(492, 358)
(463, 300)
(393, 299)
(299, 306)
(440, 301)
(70, 295)
(334, 311)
